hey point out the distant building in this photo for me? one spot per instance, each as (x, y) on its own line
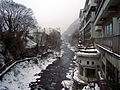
(47, 38)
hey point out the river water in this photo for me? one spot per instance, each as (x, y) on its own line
(51, 78)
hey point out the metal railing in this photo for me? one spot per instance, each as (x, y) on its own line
(98, 7)
(110, 43)
(10, 64)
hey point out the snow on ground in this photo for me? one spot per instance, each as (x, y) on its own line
(76, 76)
(62, 53)
(71, 75)
(67, 84)
(23, 73)
(71, 47)
(100, 75)
(94, 88)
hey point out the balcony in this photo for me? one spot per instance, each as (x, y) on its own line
(99, 6)
(88, 18)
(110, 44)
(90, 6)
(98, 28)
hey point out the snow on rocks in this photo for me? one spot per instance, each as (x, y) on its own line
(67, 84)
(71, 75)
(88, 87)
(23, 73)
(3, 88)
(100, 75)
(62, 53)
(76, 76)
(71, 47)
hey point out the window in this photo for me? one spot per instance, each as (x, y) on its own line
(90, 73)
(80, 61)
(87, 62)
(119, 28)
(81, 70)
(103, 67)
(92, 63)
(119, 24)
(108, 30)
(105, 30)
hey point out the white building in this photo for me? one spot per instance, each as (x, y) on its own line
(88, 61)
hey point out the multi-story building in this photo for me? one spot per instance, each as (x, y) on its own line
(107, 39)
(100, 19)
(86, 18)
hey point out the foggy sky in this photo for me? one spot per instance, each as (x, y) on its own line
(54, 13)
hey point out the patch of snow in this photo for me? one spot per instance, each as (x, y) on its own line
(79, 45)
(75, 63)
(109, 51)
(67, 84)
(3, 88)
(62, 53)
(63, 88)
(69, 74)
(23, 73)
(96, 87)
(87, 54)
(89, 50)
(100, 75)
(76, 76)
(72, 48)
(57, 54)
(30, 43)
(75, 57)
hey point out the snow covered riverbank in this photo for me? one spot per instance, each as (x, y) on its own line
(19, 77)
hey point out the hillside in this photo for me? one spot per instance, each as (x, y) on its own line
(71, 29)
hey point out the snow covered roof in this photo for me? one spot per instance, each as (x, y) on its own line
(88, 53)
(30, 43)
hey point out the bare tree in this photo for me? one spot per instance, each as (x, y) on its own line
(16, 17)
(15, 20)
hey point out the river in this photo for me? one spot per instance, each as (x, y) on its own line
(51, 78)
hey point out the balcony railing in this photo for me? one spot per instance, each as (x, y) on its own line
(98, 7)
(110, 43)
(88, 17)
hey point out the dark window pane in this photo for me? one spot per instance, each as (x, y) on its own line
(87, 62)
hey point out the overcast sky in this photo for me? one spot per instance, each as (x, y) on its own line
(54, 13)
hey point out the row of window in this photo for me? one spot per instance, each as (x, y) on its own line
(88, 62)
(108, 30)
